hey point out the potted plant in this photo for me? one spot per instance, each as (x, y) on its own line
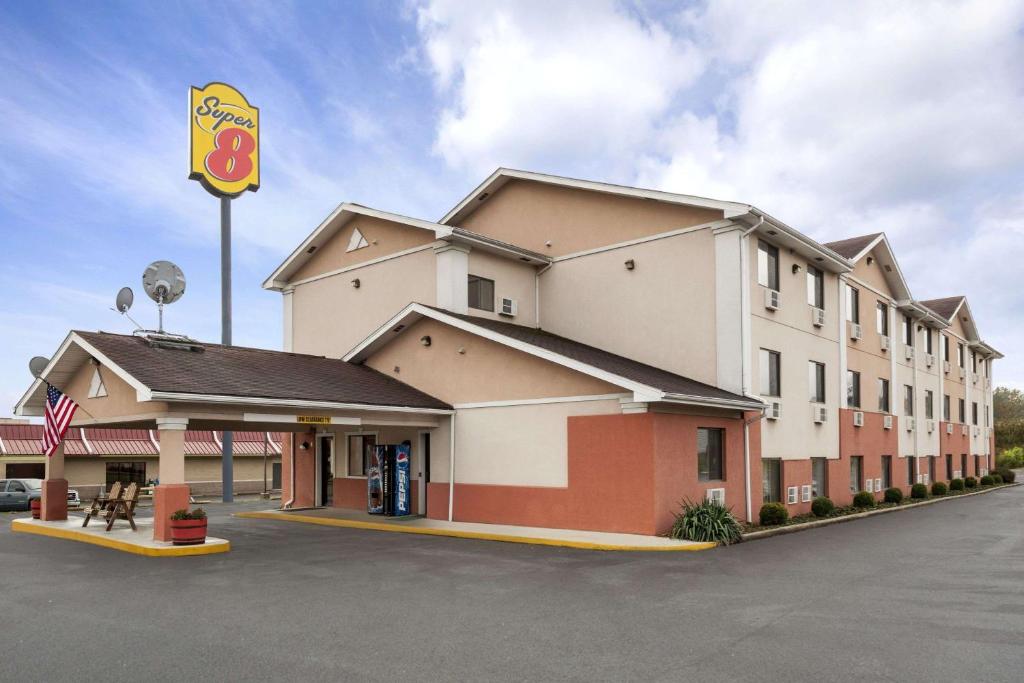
(188, 528)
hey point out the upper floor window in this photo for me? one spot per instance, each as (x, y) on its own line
(929, 407)
(928, 340)
(908, 331)
(962, 411)
(770, 366)
(883, 395)
(945, 407)
(767, 265)
(853, 388)
(974, 362)
(882, 318)
(908, 400)
(974, 412)
(709, 454)
(945, 348)
(816, 376)
(852, 304)
(960, 355)
(481, 293)
(815, 287)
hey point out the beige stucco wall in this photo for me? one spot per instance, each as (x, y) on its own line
(661, 313)
(82, 471)
(384, 238)
(486, 371)
(530, 214)
(330, 316)
(513, 279)
(119, 402)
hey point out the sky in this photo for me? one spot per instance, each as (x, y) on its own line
(838, 118)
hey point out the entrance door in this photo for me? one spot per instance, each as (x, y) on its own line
(424, 472)
(325, 448)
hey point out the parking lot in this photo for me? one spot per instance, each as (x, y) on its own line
(935, 593)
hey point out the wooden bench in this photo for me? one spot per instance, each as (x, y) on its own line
(103, 503)
(124, 507)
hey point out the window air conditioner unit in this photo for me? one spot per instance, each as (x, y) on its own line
(884, 340)
(792, 495)
(805, 493)
(818, 317)
(977, 432)
(878, 485)
(945, 366)
(858, 418)
(925, 478)
(963, 430)
(920, 479)
(774, 410)
(716, 496)
(820, 414)
(509, 307)
(909, 421)
(855, 331)
(908, 352)
(963, 373)
(771, 299)
(949, 427)
(929, 359)
(957, 474)
(931, 426)
(887, 422)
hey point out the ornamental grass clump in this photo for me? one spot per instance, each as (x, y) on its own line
(772, 514)
(919, 491)
(863, 500)
(822, 506)
(706, 521)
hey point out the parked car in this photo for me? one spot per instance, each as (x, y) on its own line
(18, 494)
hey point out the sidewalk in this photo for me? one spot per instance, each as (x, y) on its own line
(567, 538)
(121, 537)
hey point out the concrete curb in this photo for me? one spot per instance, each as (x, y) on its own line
(22, 526)
(793, 528)
(476, 535)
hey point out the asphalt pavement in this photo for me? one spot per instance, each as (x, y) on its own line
(928, 594)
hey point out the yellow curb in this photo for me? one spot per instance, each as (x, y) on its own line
(22, 526)
(477, 535)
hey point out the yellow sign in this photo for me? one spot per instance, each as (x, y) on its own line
(224, 140)
(313, 420)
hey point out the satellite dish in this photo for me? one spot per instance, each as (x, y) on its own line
(164, 282)
(124, 300)
(37, 365)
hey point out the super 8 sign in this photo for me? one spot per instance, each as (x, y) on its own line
(224, 140)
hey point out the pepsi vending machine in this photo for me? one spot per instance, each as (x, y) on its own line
(388, 487)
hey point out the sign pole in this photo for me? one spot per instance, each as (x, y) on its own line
(227, 452)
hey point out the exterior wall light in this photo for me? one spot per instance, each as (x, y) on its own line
(871, 259)
(304, 446)
(355, 283)
(425, 340)
(630, 264)
(796, 268)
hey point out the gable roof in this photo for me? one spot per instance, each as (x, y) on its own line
(852, 247)
(647, 382)
(855, 248)
(946, 307)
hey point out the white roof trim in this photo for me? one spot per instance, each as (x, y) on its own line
(503, 175)
(275, 281)
(175, 396)
(897, 271)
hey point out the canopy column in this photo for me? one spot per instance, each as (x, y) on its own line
(172, 493)
(54, 503)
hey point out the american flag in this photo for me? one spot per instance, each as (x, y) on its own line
(59, 411)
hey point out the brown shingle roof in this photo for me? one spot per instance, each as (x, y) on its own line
(603, 360)
(944, 307)
(852, 246)
(255, 373)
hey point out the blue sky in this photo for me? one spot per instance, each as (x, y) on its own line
(840, 119)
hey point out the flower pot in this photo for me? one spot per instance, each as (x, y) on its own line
(188, 531)
(36, 506)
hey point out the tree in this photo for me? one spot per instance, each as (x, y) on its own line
(1007, 404)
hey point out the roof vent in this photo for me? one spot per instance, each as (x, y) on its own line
(173, 342)
(484, 196)
(311, 249)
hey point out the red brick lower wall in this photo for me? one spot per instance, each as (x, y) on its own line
(350, 493)
(305, 466)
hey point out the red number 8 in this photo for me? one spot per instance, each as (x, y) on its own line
(229, 160)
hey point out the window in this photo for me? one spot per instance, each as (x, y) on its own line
(908, 400)
(977, 465)
(481, 293)
(974, 412)
(770, 362)
(15, 487)
(908, 331)
(853, 388)
(886, 471)
(945, 348)
(771, 480)
(928, 405)
(882, 318)
(960, 355)
(931, 468)
(974, 362)
(817, 381)
(911, 468)
(359, 446)
(709, 454)
(963, 464)
(945, 407)
(949, 466)
(126, 473)
(815, 287)
(856, 473)
(852, 304)
(883, 395)
(819, 477)
(928, 340)
(767, 265)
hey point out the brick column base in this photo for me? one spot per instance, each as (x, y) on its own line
(167, 499)
(54, 505)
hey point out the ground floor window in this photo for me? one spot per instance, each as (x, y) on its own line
(709, 454)
(886, 471)
(931, 468)
(856, 473)
(359, 446)
(949, 466)
(126, 473)
(963, 464)
(771, 480)
(911, 469)
(819, 477)
(977, 465)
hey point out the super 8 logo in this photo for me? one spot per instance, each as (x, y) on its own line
(224, 140)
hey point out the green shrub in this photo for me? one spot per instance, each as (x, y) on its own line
(893, 495)
(1008, 475)
(198, 513)
(822, 506)
(863, 500)
(970, 482)
(987, 480)
(939, 489)
(772, 514)
(997, 478)
(956, 485)
(706, 521)
(1011, 458)
(919, 491)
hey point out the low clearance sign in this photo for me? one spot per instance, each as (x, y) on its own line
(224, 140)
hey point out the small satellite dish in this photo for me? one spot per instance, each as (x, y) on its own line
(124, 300)
(37, 365)
(164, 282)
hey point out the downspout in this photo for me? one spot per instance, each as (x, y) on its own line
(744, 359)
(451, 469)
(536, 290)
(288, 503)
